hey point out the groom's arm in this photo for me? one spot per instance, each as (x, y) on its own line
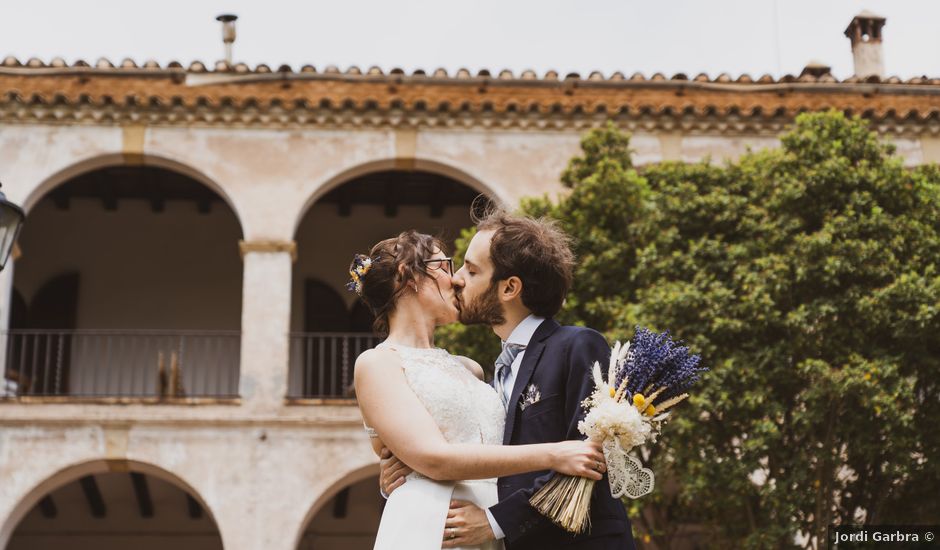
(514, 515)
(392, 472)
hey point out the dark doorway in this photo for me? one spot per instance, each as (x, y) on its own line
(39, 349)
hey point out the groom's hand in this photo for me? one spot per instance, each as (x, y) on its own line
(392, 472)
(466, 525)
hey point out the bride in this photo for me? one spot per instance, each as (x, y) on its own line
(430, 408)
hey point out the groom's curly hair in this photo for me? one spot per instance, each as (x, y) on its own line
(537, 251)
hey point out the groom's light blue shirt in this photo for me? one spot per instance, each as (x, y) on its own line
(520, 335)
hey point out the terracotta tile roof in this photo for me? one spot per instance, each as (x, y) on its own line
(152, 86)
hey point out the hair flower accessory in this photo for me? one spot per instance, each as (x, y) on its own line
(360, 266)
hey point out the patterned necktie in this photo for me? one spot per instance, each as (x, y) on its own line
(504, 368)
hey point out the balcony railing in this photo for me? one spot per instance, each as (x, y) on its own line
(321, 363)
(119, 363)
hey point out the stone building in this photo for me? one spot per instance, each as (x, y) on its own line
(177, 343)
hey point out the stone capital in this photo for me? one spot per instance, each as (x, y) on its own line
(244, 247)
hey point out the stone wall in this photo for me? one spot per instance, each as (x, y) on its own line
(261, 478)
(260, 466)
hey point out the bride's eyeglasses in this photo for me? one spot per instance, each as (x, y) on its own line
(445, 264)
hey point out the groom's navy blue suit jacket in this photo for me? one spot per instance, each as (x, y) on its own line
(558, 362)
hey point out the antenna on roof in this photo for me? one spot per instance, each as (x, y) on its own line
(228, 33)
(777, 38)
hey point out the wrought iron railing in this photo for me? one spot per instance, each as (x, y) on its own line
(321, 363)
(119, 363)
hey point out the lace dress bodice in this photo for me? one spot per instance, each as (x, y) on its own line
(466, 409)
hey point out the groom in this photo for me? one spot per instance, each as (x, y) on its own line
(515, 276)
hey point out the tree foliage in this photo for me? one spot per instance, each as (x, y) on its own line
(807, 276)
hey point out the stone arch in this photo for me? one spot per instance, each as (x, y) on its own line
(124, 257)
(116, 159)
(337, 484)
(349, 213)
(78, 470)
(424, 165)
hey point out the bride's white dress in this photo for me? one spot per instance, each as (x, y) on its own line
(466, 410)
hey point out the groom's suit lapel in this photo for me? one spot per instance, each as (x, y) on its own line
(530, 360)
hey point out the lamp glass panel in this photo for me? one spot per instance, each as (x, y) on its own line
(10, 218)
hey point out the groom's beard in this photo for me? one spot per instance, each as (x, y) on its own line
(485, 310)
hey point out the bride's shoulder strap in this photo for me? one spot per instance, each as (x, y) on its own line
(403, 352)
(471, 365)
(391, 348)
(376, 360)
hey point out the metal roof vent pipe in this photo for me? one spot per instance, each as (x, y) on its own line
(228, 34)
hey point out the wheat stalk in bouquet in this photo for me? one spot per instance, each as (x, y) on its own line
(645, 378)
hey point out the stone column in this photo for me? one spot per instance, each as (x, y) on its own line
(266, 300)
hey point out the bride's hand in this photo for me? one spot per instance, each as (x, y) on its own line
(579, 458)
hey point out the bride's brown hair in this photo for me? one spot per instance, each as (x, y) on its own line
(395, 264)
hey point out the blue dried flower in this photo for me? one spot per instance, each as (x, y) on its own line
(656, 360)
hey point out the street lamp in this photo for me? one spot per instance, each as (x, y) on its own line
(11, 220)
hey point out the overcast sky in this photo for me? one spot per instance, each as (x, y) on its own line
(669, 36)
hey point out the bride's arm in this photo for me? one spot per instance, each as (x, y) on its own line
(390, 407)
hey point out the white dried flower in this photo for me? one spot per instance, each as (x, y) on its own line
(596, 372)
(614, 361)
(610, 419)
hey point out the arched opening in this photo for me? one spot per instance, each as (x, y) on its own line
(131, 285)
(347, 219)
(144, 508)
(347, 520)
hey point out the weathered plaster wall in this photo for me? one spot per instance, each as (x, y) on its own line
(259, 465)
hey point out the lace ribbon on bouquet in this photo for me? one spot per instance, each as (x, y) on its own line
(626, 474)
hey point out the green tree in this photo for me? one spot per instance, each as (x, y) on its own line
(807, 275)
(808, 278)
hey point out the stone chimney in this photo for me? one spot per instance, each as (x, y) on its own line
(865, 33)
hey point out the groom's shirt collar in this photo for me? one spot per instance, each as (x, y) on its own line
(524, 330)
